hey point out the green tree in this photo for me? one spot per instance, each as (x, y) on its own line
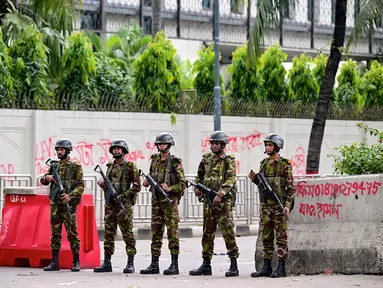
(320, 68)
(156, 75)
(77, 82)
(245, 80)
(273, 74)
(349, 81)
(303, 86)
(373, 83)
(6, 82)
(359, 158)
(114, 84)
(29, 69)
(203, 68)
(124, 46)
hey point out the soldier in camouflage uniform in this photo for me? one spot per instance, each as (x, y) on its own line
(278, 172)
(126, 180)
(71, 176)
(168, 172)
(218, 172)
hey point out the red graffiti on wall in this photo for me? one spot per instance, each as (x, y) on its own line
(236, 143)
(334, 190)
(320, 210)
(7, 169)
(152, 148)
(298, 162)
(88, 154)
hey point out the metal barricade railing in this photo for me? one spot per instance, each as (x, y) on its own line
(12, 180)
(191, 210)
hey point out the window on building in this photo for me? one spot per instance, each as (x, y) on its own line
(148, 25)
(90, 20)
(206, 4)
(286, 12)
(333, 6)
(148, 3)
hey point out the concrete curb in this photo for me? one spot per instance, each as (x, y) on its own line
(145, 233)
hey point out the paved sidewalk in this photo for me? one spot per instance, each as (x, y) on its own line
(190, 258)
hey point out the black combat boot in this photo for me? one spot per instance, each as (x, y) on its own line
(281, 270)
(54, 265)
(76, 263)
(153, 268)
(233, 270)
(130, 265)
(204, 269)
(173, 268)
(106, 266)
(265, 271)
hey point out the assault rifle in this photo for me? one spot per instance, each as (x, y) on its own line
(155, 187)
(111, 191)
(265, 190)
(59, 189)
(207, 192)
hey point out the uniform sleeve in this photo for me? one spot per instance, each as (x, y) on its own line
(135, 179)
(200, 172)
(230, 176)
(180, 183)
(79, 179)
(42, 179)
(289, 182)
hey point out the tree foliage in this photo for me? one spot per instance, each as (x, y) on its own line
(29, 68)
(245, 80)
(6, 82)
(77, 83)
(373, 83)
(156, 75)
(303, 85)
(359, 158)
(203, 68)
(273, 74)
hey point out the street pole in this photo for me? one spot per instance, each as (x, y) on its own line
(217, 86)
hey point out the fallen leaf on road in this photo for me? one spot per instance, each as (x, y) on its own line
(30, 274)
(67, 284)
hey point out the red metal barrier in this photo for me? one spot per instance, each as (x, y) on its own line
(25, 231)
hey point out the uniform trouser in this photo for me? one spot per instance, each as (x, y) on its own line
(272, 218)
(60, 216)
(113, 217)
(165, 213)
(221, 215)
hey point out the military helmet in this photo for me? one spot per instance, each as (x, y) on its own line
(119, 143)
(276, 139)
(164, 138)
(64, 143)
(219, 136)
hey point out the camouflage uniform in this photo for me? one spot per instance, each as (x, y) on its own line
(170, 172)
(71, 176)
(127, 182)
(211, 174)
(279, 174)
(164, 213)
(217, 171)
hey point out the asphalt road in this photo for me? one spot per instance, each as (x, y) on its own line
(189, 258)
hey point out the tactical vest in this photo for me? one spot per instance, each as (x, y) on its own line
(276, 179)
(169, 176)
(119, 181)
(217, 175)
(69, 183)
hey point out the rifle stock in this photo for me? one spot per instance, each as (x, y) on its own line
(111, 191)
(155, 186)
(208, 193)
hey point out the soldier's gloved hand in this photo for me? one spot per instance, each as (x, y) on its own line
(101, 183)
(49, 178)
(65, 198)
(145, 183)
(197, 193)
